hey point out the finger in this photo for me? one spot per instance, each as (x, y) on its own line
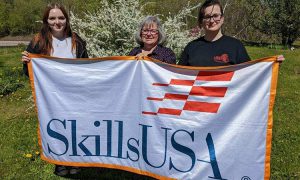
(25, 53)
(25, 59)
(280, 58)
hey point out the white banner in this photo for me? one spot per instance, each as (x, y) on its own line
(155, 119)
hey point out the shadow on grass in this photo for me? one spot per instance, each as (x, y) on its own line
(105, 173)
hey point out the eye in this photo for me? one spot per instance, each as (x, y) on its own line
(51, 18)
(61, 18)
(207, 17)
(216, 15)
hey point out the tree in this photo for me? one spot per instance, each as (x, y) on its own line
(279, 17)
(24, 15)
(4, 10)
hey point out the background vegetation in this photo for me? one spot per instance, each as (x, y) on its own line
(272, 24)
(254, 21)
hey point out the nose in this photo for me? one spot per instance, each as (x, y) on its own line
(56, 21)
(211, 19)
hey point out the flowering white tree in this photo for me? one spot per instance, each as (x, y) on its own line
(109, 31)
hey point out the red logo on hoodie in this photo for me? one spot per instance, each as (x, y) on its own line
(224, 58)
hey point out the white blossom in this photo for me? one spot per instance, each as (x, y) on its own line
(109, 31)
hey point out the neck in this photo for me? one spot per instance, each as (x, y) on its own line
(213, 36)
(149, 47)
(59, 36)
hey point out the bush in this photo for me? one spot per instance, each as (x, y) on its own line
(109, 30)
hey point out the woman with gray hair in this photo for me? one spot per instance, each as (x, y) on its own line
(151, 37)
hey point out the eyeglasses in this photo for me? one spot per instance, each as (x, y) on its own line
(215, 17)
(151, 31)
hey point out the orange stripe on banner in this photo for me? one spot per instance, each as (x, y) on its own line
(149, 113)
(169, 111)
(208, 91)
(270, 119)
(154, 99)
(176, 96)
(111, 166)
(160, 84)
(31, 79)
(215, 75)
(266, 59)
(201, 106)
(182, 82)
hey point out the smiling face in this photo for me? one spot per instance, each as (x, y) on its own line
(213, 19)
(57, 22)
(149, 34)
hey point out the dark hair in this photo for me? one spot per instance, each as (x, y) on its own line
(206, 4)
(44, 37)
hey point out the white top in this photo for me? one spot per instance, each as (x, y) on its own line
(63, 48)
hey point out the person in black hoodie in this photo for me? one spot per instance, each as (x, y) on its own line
(214, 48)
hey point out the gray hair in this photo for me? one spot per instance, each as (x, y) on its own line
(147, 21)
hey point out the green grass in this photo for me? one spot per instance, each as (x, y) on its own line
(285, 156)
(18, 126)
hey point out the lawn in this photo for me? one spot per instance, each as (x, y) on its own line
(19, 152)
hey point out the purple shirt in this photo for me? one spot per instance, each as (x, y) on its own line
(161, 53)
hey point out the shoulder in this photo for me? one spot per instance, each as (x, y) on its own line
(164, 54)
(33, 46)
(229, 39)
(196, 41)
(77, 38)
(165, 49)
(135, 51)
(194, 44)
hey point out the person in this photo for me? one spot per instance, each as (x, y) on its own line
(151, 37)
(56, 39)
(214, 48)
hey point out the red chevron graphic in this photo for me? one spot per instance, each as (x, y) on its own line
(196, 106)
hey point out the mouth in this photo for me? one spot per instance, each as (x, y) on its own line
(212, 25)
(58, 27)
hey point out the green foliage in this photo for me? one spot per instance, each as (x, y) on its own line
(10, 80)
(171, 7)
(24, 16)
(279, 17)
(3, 19)
(11, 74)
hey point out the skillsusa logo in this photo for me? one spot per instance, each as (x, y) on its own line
(196, 90)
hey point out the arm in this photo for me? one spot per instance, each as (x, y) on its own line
(25, 59)
(170, 57)
(242, 55)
